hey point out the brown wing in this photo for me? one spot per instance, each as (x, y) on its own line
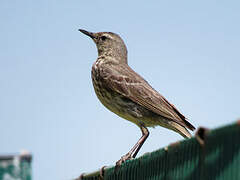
(129, 84)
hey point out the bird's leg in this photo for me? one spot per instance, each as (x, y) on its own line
(145, 134)
(133, 152)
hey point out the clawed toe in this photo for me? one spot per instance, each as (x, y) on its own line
(122, 160)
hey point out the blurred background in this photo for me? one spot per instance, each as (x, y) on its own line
(188, 51)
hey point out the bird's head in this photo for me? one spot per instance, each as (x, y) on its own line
(109, 44)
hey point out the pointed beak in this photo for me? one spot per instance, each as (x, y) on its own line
(90, 34)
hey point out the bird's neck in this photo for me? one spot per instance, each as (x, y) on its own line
(111, 56)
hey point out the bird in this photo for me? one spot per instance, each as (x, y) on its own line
(124, 92)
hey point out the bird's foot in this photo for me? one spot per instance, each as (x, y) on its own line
(124, 158)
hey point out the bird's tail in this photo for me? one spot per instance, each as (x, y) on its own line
(180, 129)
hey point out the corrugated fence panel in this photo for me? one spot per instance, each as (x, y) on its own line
(218, 158)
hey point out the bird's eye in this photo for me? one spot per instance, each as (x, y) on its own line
(103, 38)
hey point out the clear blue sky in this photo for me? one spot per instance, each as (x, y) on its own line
(187, 50)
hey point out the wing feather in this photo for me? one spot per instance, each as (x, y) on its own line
(131, 85)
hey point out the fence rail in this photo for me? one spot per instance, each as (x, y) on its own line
(211, 155)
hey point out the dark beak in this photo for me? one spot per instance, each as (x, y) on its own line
(90, 34)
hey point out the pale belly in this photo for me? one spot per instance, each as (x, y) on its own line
(128, 109)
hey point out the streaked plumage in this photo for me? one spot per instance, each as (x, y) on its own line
(127, 94)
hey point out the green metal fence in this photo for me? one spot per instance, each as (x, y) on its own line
(15, 167)
(216, 155)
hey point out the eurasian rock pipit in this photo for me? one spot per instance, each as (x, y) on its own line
(127, 94)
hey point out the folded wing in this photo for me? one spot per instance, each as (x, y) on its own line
(131, 85)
